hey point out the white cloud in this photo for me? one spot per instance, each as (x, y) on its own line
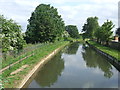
(81, 1)
(31, 3)
(72, 11)
(80, 13)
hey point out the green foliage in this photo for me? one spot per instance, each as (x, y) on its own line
(65, 34)
(98, 34)
(11, 36)
(80, 36)
(45, 25)
(107, 27)
(92, 30)
(104, 33)
(90, 27)
(72, 30)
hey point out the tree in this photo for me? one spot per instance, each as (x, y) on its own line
(11, 36)
(99, 35)
(104, 33)
(107, 27)
(72, 30)
(90, 27)
(45, 25)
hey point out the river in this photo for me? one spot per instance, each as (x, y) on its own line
(76, 67)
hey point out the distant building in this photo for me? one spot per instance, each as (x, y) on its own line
(116, 38)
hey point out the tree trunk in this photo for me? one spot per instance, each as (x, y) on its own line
(107, 43)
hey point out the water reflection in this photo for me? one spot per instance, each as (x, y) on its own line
(94, 60)
(72, 48)
(50, 72)
(75, 67)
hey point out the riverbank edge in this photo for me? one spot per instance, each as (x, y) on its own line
(39, 65)
(111, 59)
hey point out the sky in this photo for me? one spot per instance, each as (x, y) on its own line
(73, 12)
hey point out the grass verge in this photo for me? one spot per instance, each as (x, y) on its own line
(23, 53)
(12, 81)
(108, 50)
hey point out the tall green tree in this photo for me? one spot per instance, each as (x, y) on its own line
(107, 28)
(11, 36)
(90, 27)
(104, 33)
(45, 25)
(99, 34)
(73, 31)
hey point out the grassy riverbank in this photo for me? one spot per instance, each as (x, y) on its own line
(27, 50)
(108, 50)
(12, 81)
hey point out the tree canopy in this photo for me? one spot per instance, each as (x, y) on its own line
(73, 31)
(92, 30)
(45, 25)
(104, 33)
(90, 27)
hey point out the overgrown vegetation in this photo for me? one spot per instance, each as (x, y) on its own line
(11, 36)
